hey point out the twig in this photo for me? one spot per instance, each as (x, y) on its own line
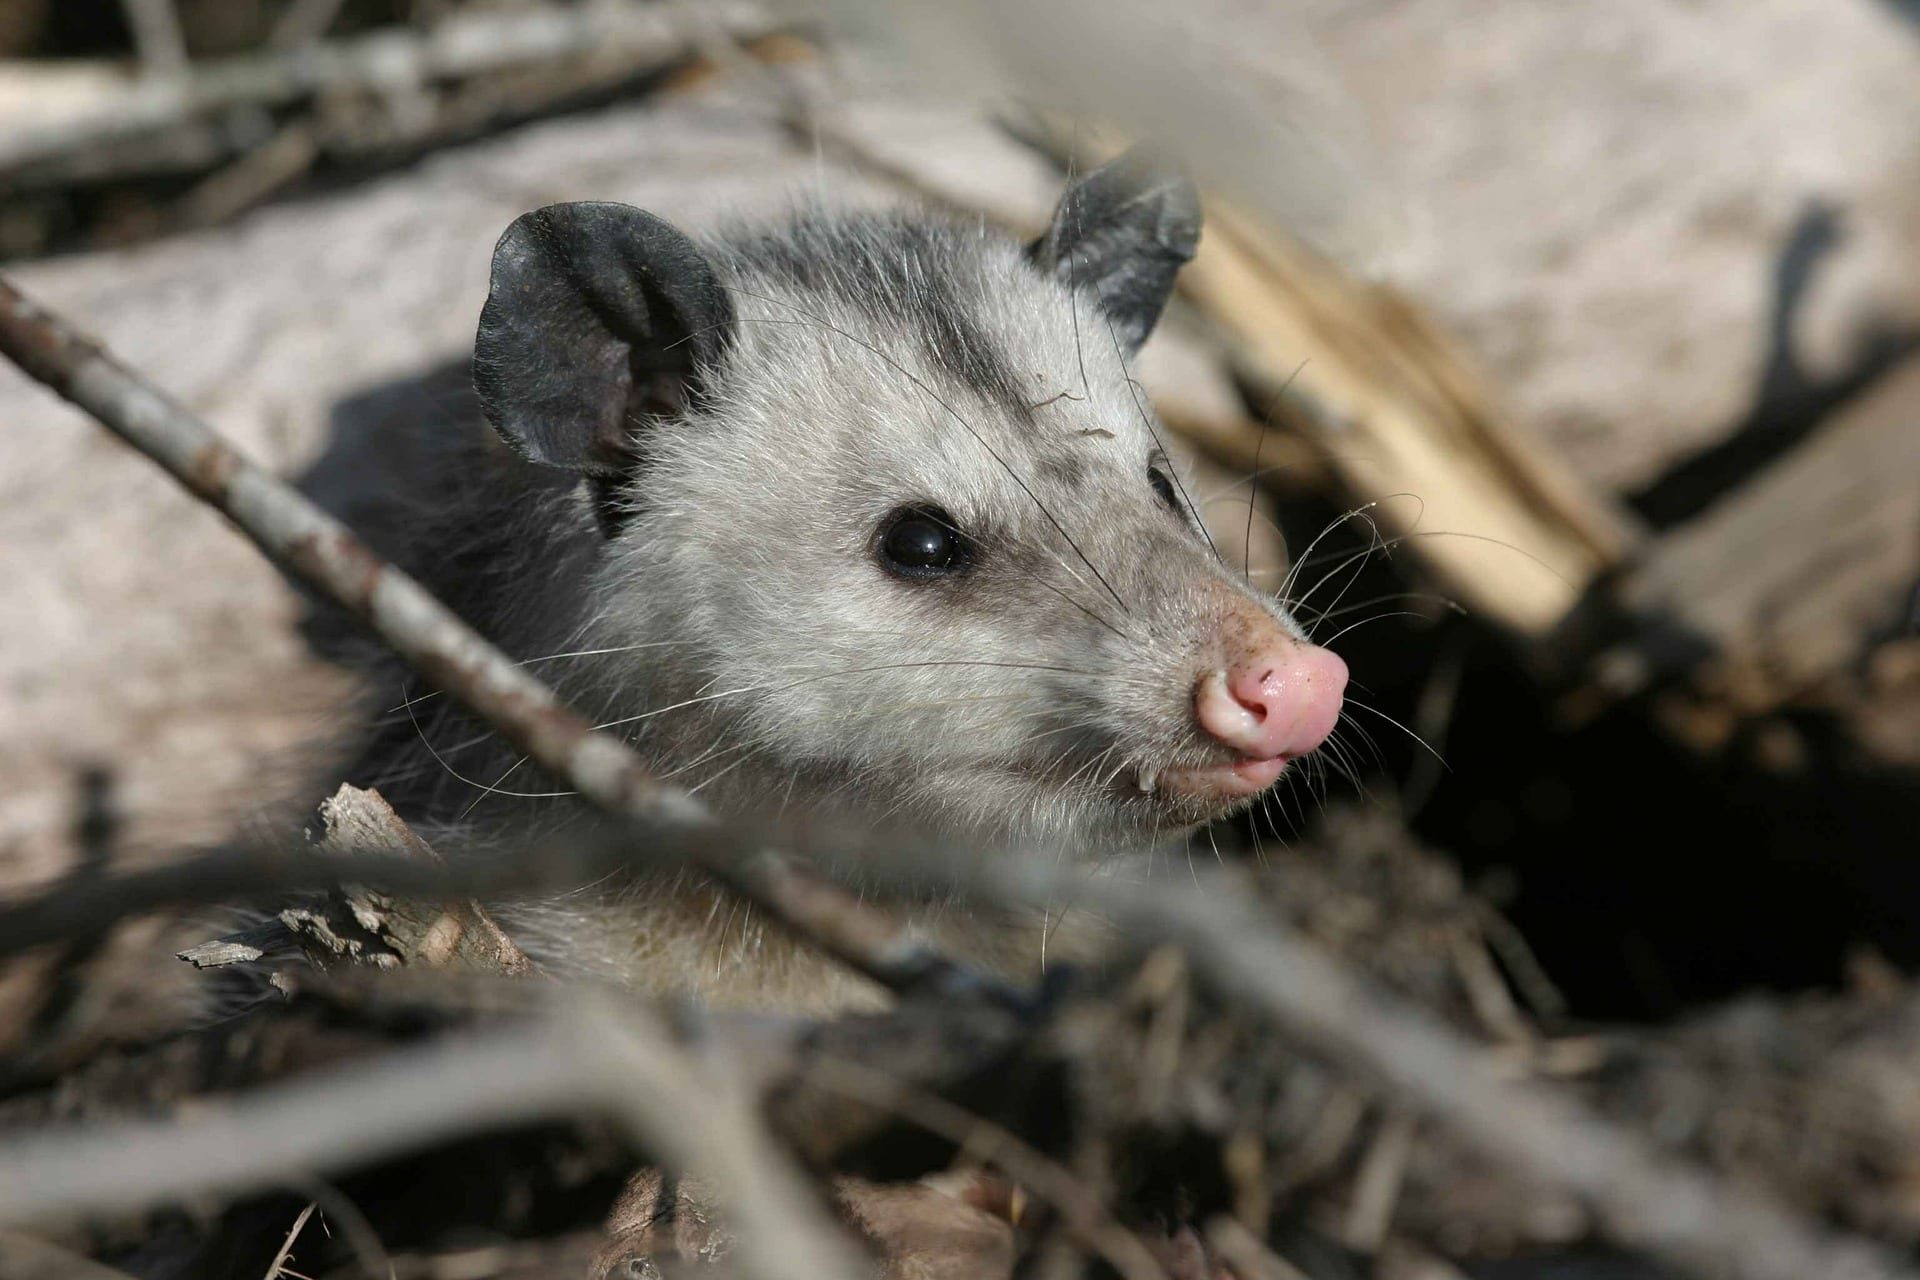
(313, 546)
(157, 37)
(304, 22)
(582, 1058)
(464, 45)
(337, 1211)
(1641, 1198)
(1377, 1188)
(285, 1254)
(1244, 1252)
(1082, 1214)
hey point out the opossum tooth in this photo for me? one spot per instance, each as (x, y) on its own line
(1145, 780)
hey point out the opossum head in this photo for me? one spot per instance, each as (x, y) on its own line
(888, 524)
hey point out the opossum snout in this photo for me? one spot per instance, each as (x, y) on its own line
(1275, 704)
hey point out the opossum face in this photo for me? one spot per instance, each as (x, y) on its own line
(894, 522)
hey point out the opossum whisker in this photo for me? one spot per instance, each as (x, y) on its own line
(1355, 577)
(1065, 595)
(712, 753)
(696, 788)
(1266, 425)
(1146, 420)
(494, 789)
(1314, 784)
(456, 774)
(1396, 613)
(1427, 747)
(834, 675)
(1073, 310)
(1392, 597)
(928, 703)
(1214, 843)
(965, 425)
(1359, 731)
(554, 657)
(1091, 766)
(1389, 543)
(1250, 477)
(1286, 584)
(1358, 560)
(1246, 569)
(1336, 758)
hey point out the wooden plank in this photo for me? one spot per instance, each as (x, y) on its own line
(1794, 578)
(1407, 423)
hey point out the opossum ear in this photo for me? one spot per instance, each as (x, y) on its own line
(598, 316)
(1121, 233)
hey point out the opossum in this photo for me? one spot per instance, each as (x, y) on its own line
(857, 514)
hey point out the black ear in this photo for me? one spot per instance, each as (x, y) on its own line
(598, 315)
(1122, 233)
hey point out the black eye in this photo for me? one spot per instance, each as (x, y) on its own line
(1163, 489)
(921, 542)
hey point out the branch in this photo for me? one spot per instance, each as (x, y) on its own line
(156, 34)
(583, 1057)
(319, 550)
(1642, 1197)
(465, 45)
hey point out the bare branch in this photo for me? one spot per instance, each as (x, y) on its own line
(318, 549)
(584, 1058)
(304, 22)
(156, 34)
(382, 62)
(284, 1254)
(1641, 1197)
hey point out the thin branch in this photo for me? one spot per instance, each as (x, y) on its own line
(1640, 1196)
(464, 45)
(1082, 1214)
(322, 552)
(304, 22)
(157, 38)
(583, 1058)
(285, 1253)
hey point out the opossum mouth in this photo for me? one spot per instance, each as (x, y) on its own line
(1233, 781)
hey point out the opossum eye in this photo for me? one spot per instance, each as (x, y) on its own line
(1163, 489)
(921, 542)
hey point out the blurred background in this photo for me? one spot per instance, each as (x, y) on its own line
(1568, 356)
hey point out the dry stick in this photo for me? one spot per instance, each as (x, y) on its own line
(157, 37)
(466, 45)
(285, 1255)
(1640, 1196)
(321, 551)
(1087, 1220)
(583, 1056)
(304, 22)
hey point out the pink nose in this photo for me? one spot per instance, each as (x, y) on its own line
(1282, 703)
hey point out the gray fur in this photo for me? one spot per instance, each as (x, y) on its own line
(741, 633)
